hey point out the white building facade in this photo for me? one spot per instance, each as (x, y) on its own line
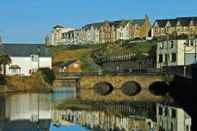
(176, 52)
(26, 58)
(173, 118)
(56, 37)
(32, 107)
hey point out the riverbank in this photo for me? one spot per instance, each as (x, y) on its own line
(6, 90)
(37, 82)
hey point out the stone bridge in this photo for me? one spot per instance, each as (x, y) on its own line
(118, 87)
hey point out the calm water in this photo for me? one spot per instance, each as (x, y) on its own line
(33, 112)
(37, 112)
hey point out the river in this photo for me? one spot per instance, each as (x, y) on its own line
(38, 112)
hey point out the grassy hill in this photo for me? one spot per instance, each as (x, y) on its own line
(84, 53)
(81, 54)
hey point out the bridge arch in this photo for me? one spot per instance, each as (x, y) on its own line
(131, 88)
(103, 88)
(159, 88)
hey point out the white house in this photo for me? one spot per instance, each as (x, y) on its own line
(26, 58)
(57, 35)
(172, 118)
(176, 52)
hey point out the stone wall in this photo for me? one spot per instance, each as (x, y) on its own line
(87, 91)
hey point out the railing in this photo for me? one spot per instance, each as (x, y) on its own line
(185, 71)
(119, 73)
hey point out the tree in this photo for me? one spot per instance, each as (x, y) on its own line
(4, 60)
(47, 75)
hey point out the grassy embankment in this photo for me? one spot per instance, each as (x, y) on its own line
(40, 81)
(83, 53)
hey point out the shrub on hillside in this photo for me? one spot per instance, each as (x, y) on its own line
(3, 80)
(47, 75)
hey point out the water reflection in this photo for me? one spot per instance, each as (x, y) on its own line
(100, 120)
(31, 111)
(25, 112)
(37, 112)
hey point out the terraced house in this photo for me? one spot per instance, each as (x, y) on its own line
(101, 32)
(110, 31)
(177, 26)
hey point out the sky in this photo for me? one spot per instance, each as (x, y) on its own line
(69, 128)
(29, 21)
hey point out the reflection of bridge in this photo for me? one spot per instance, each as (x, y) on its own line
(113, 86)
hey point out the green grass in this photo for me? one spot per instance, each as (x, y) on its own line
(83, 53)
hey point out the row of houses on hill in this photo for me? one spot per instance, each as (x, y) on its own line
(110, 31)
(177, 26)
(100, 32)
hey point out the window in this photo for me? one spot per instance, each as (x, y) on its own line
(173, 113)
(166, 57)
(161, 46)
(191, 42)
(160, 58)
(160, 111)
(172, 45)
(172, 126)
(173, 57)
(34, 58)
(166, 111)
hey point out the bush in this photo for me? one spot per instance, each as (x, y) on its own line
(47, 75)
(3, 80)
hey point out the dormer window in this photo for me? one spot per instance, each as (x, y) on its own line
(178, 23)
(191, 23)
(168, 24)
(156, 24)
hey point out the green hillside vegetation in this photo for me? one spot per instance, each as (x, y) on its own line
(87, 54)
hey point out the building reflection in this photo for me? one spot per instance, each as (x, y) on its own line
(168, 118)
(100, 120)
(25, 112)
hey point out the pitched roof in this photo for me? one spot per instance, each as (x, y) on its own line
(115, 23)
(58, 26)
(24, 49)
(96, 25)
(67, 63)
(161, 23)
(184, 21)
(138, 21)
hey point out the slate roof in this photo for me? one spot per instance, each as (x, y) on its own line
(138, 21)
(24, 49)
(117, 23)
(68, 63)
(58, 26)
(184, 21)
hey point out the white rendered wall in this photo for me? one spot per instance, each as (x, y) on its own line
(27, 64)
(24, 106)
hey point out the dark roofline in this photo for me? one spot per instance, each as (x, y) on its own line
(110, 22)
(58, 26)
(22, 49)
(176, 19)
